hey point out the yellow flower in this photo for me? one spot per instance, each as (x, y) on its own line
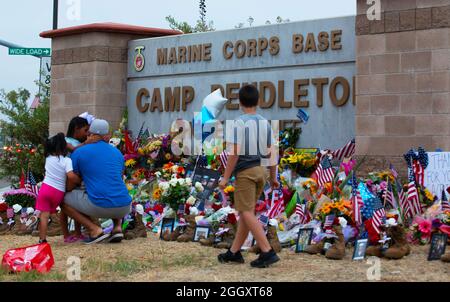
(325, 210)
(429, 195)
(130, 163)
(141, 151)
(157, 194)
(229, 189)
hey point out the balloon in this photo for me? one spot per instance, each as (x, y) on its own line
(214, 103)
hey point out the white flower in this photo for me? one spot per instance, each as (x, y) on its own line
(342, 222)
(17, 208)
(30, 210)
(175, 169)
(139, 209)
(189, 181)
(173, 182)
(164, 186)
(193, 211)
(199, 187)
(158, 174)
(181, 181)
(191, 200)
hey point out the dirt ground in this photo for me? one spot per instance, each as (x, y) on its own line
(149, 259)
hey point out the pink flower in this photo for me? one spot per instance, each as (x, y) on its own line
(348, 166)
(383, 185)
(425, 228)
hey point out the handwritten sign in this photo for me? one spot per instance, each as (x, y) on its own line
(437, 174)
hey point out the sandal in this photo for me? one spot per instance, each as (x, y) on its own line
(99, 238)
(115, 237)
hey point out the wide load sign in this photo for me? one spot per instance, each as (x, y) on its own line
(308, 65)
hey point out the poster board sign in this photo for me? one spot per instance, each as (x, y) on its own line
(437, 174)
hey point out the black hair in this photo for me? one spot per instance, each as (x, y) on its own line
(56, 145)
(76, 123)
(249, 96)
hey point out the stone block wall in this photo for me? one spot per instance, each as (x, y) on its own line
(403, 81)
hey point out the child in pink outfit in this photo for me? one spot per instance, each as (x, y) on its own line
(58, 167)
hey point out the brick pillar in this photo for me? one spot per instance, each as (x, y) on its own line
(89, 70)
(403, 80)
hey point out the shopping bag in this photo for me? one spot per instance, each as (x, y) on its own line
(37, 257)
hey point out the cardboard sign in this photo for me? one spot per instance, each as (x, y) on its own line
(437, 174)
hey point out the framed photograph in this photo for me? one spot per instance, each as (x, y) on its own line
(201, 232)
(167, 224)
(437, 248)
(303, 239)
(360, 249)
(248, 243)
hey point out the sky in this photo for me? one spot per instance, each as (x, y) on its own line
(21, 21)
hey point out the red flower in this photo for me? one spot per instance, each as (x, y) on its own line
(216, 206)
(158, 208)
(232, 218)
(3, 207)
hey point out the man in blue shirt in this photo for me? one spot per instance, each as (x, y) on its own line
(100, 166)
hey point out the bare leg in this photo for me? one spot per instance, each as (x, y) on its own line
(64, 225)
(241, 236)
(117, 225)
(43, 224)
(77, 229)
(257, 230)
(94, 230)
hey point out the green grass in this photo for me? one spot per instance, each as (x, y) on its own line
(31, 276)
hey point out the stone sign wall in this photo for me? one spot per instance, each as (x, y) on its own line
(307, 65)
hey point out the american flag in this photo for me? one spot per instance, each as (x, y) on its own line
(419, 172)
(388, 196)
(393, 171)
(403, 200)
(263, 219)
(378, 218)
(138, 137)
(357, 201)
(413, 197)
(277, 206)
(30, 183)
(347, 151)
(223, 157)
(444, 203)
(300, 211)
(329, 219)
(324, 171)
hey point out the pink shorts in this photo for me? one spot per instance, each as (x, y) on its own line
(49, 198)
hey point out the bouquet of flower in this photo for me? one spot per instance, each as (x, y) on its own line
(432, 221)
(229, 193)
(289, 137)
(302, 163)
(175, 192)
(21, 197)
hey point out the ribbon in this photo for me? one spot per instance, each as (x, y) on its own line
(89, 117)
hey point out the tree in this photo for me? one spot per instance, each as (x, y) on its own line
(201, 26)
(27, 130)
(251, 20)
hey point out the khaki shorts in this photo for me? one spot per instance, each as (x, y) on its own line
(249, 186)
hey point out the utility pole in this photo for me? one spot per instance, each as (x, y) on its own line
(55, 14)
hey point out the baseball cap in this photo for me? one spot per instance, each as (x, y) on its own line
(100, 127)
